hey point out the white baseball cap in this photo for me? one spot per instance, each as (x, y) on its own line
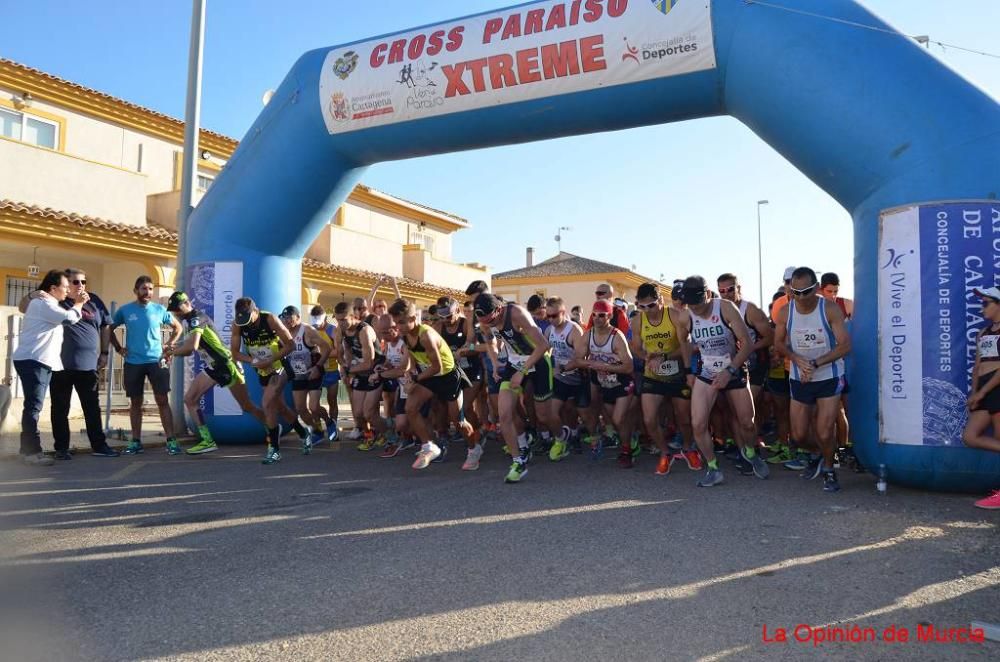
(788, 273)
(990, 292)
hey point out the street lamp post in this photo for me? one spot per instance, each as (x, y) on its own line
(760, 258)
(189, 178)
(558, 237)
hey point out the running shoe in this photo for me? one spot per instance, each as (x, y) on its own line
(597, 448)
(830, 483)
(676, 443)
(379, 442)
(693, 460)
(134, 447)
(779, 455)
(272, 456)
(812, 469)
(62, 455)
(711, 478)
(331, 432)
(625, 459)
(366, 445)
(992, 502)
(518, 470)
(743, 467)
(105, 451)
(443, 455)
(732, 451)
(428, 453)
(407, 444)
(309, 442)
(203, 446)
(391, 450)
(663, 466)
(558, 451)
(760, 468)
(798, 463)
(355, 435)
(472, 458)
(174, 448)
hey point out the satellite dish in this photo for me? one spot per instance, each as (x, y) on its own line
(267, 97)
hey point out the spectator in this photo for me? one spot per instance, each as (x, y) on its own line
(38, 355)
(143, 320)
(84, 353)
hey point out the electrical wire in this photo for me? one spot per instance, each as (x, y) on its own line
(873, 28)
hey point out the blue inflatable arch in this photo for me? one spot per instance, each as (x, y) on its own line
(869, 116)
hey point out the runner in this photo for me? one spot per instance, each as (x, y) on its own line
(331, 374)
(655, 339)
(984, 399)
(761, 335)
(723, 340)
(528, 357)
(570, 390)
(453, 328)
(606, 354)
(218, 368)
(811, 334)
(267, 343)
(438, 376)
(829, 289)
(393, 387)
(305, 369)
(359, 347)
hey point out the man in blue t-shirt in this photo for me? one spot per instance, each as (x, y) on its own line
(143, 320)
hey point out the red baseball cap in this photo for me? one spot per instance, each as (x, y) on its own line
(603, 306)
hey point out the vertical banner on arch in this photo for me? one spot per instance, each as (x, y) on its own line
(213, 288)
(931, 257)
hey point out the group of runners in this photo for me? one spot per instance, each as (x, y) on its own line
(686, 372)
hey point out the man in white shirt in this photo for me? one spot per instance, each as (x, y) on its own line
(38, 355)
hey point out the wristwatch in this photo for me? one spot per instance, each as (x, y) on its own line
(812, 362)
(732, 371)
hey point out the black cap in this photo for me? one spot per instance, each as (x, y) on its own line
(244, 311)
(694, 291)
(677, 291)
(175, 301)
(477, 287)
(485, 305)
(289, 311)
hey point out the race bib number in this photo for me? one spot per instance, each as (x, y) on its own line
(988, 347)
(404, 381)
(261, 353)
(668, 368)
(300, 366)
(805, 340)
(608, 379)
(713, 365)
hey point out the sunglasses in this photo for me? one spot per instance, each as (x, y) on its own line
(805, 291)
(80, 281)
(600, 315)
(727, 290)
(646, 306)
(601, 293)
(553, 317)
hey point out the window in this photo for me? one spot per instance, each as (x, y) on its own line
(423, 239)
(18, 288)
(29, 129)
(204, 183)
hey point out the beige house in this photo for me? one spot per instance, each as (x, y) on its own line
(93, 181)
(569, 276)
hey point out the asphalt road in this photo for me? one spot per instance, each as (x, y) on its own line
(345, 556)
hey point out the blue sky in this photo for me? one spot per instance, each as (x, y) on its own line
(632, 216)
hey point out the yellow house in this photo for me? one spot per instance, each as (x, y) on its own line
(92, 181)
(571, 277)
